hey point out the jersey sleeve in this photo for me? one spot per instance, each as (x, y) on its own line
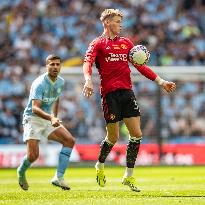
(62, 87)
(92, 51)
(146, 71)
(36, 91)
(87, 70)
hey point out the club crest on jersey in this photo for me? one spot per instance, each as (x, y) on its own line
(116, 57)
(59, 90)
(123, 46)
(112, 117)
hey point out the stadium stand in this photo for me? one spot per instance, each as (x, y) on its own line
(172, 30)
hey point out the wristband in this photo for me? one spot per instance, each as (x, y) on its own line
(159, 80)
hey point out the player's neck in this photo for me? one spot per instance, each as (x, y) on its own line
(52, 78)
(109, 34)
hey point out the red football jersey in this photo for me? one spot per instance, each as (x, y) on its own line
(111, 59)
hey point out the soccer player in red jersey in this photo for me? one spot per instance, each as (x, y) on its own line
(110, 54)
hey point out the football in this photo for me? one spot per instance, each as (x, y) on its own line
(139, 55)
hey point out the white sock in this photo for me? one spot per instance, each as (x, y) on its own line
(128, 172)
(99, 165)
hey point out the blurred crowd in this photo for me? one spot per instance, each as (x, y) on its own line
(182, 113)
(31, 29)
(172, 30)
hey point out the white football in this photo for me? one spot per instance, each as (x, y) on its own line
(139, 55)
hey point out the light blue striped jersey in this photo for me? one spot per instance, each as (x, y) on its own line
(46, 91)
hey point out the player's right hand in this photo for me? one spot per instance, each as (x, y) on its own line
(55, 122)
(88, 88)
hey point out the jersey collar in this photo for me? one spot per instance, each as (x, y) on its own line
(105, 36)
(49, 80)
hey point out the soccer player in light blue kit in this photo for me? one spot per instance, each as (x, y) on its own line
(40, 121)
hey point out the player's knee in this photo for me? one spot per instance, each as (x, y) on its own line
(112, 140)
(69, 142)
(72, 141)
(136, 134)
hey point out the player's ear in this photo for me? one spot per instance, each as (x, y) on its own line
(106, 22)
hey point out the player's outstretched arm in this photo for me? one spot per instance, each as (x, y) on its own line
(88, 86)
(166, 85)
(150, 74)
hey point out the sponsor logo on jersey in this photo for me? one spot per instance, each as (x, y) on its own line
(116, 47)
(108, 47)
(116, 57)
(49, 100)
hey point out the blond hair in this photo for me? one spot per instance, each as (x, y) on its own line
(110, 13)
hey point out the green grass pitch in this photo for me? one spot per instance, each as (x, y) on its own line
(159, 185)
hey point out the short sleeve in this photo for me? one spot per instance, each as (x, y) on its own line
(36, 91)
(92, 51)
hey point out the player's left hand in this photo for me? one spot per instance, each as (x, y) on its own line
(169, 86)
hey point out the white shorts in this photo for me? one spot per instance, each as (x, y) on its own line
(37, 128)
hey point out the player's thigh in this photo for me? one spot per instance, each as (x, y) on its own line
(130, 105)
(33, 128)
(112, 131)
(32, 149)
(63, 136)
(133, 126)
(111, 107)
